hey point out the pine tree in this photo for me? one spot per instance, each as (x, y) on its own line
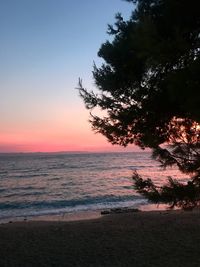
(149, 89)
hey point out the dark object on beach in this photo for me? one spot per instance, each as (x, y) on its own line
(149, 85)
(119, 210)
(105, 212)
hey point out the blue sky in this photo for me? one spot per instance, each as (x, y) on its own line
(46, 45)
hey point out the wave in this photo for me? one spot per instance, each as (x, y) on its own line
(27, 176)
(68, 203)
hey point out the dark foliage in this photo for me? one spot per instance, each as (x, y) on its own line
(186, 196)
(149, 87)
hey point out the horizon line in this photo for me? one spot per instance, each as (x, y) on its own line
(69, 151)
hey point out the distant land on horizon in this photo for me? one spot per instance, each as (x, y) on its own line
(77, 152)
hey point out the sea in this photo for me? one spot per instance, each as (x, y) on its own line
(35, 184)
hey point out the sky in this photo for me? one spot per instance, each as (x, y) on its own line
(46, 45)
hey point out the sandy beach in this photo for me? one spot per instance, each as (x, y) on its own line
(166, 238)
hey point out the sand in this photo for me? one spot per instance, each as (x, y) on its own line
(143, 239)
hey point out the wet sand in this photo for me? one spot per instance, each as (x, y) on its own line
(141, 239)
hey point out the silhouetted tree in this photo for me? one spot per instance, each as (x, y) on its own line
(149, 88)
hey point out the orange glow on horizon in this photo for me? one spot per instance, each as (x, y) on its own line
(85, 142)
(67, 130)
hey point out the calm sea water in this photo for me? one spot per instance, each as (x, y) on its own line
(49, 183)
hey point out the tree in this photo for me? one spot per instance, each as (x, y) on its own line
(149, 88)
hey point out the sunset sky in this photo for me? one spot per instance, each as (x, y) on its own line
(46, 45)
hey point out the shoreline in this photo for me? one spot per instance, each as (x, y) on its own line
(153, 238)
(59, 217)
(78, 215)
